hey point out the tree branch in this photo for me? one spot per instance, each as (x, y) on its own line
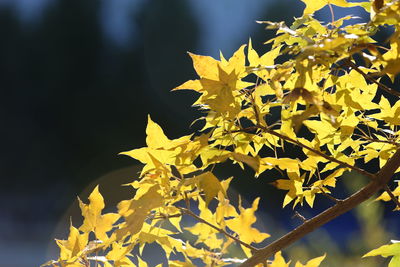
(381, 179)
(319, 153)
(392, 197)
(252, 129)
(369, 78)
(189, 212)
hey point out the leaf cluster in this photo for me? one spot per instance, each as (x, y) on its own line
(331, 104)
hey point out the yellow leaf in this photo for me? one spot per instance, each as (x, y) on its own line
(253, 162)
(190, 85)
(278, 261)
(155, 135)
(295, 186)
(136, 210)
(205, 66)
(291, 165)
(73, 247)
(119, 252)
(388, 113)
(210, 185)
(94, 221)
(392, 59)
(242, 225)
(141, 263)
(315, 5)
(387, 251)
(312, 263)
(180, 264)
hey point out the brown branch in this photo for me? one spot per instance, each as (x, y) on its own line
(381, 179)
(369, 78)
(252, 129)
(392, 197)
(373, 140)
(166, 216)
(298, 215)
(329, 196)
(319, 153)
(189, 212)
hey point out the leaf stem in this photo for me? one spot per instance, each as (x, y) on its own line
(332, 13)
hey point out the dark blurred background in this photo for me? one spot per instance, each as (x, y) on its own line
(78, 79)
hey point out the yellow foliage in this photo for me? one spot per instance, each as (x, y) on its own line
(256, 110)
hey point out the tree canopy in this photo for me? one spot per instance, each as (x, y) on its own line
(322, 87)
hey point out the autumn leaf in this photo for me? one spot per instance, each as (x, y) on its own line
(94, 221)
(295, 187)
(162, 151)
(278, 261)
(135, 211)
(392, 250)
(73, 247)
(242, 225)
(312, 263)
(210, 185)
(315, 5)
(219, 82)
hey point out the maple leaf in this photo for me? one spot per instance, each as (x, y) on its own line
(315, 5)
(219, 82)
(278, 261)
(119, 254)
(295, 186)
(210, 185)
(72, 248)
(311, 263)
(94, 221)
(321, 86)
(135, 211)
(161, 150)
(392, 250)
(242, 225)
(388, 113)
(204, 233)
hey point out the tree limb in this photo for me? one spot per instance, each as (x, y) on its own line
(189, 212)
(319, 153)
(380, 180)
(369, 78)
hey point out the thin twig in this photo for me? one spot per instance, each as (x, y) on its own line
(336, 200)
(251, 130)
(369, 78)
(392, 197)
(332, 13)
(166, 216)
(189, 212)
(391, 142)
(298, 215)
(319, 153)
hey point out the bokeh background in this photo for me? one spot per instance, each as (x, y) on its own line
(78, 78)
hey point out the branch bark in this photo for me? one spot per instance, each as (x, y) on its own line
(380, 180)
